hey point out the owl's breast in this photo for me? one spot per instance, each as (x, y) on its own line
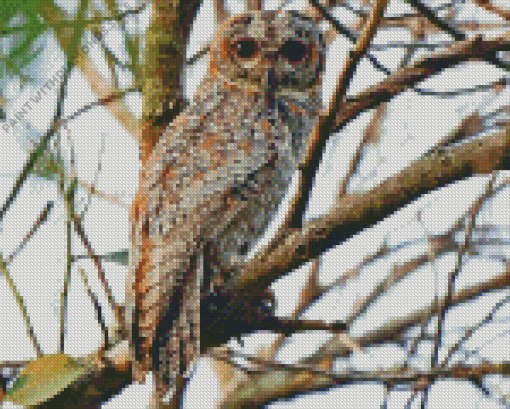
(297, 114)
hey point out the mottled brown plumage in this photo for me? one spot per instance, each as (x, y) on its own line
(215, 179)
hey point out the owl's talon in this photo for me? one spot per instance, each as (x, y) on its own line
(139, 374)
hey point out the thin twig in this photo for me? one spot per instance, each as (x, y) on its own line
(488, 5)
(78, 227)
(21, 304)
(69, 203)
(345, 31)
(43, 216)
(101, 102)
(325, 124)
(450, 29)
(468, 333)
(97, 306)
(96, 177)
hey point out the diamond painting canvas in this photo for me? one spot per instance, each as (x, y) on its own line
(254, 204)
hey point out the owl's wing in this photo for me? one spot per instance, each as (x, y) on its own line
(184, 199)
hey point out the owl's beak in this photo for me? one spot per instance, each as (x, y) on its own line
(269, 87)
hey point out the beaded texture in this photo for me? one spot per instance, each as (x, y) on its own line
(215, 180)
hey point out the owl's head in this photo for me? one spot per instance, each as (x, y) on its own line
(269, 50)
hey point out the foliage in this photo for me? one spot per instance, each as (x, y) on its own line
(44, 378)
(23, 35)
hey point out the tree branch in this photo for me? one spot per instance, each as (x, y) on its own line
(355, 212)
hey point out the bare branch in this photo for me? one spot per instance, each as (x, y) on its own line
(358, 211)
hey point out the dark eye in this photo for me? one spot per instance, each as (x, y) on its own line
(294, 51)
(246, 48)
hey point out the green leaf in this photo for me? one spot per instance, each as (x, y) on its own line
(120, 257)
(49, 166)
(22, 34)
(44, 378)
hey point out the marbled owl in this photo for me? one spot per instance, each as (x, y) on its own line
(215, 179)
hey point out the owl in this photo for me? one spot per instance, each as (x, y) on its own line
(215, 180)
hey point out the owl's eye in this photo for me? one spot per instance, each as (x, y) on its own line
(294, 51)
(246, 48)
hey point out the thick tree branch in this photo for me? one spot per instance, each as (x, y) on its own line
(355, 212)
(400, 81)
(280, 383)
(164, 59)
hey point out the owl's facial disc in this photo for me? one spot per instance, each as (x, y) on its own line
(269, 51)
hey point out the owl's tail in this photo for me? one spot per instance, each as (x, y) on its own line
(177, 341)
(164, 302)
